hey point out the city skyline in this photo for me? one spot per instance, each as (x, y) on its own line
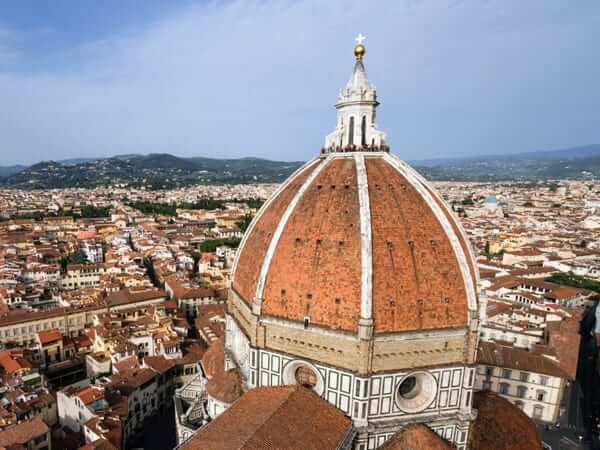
(457, 78)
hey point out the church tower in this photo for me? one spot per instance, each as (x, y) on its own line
(355, 279)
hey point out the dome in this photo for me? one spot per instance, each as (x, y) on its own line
(356, 280)
(358, 237)
(491, 200)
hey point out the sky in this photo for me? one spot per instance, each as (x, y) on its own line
(237, 78)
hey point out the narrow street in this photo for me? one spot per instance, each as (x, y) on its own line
(589, 379)
(159, 433)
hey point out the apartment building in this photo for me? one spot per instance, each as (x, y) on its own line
(533, 382)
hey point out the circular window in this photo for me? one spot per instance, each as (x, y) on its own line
(306, 377)
(408, 388)
(416, 391)
(305, 374)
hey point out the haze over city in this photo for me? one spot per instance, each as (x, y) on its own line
(238, 78)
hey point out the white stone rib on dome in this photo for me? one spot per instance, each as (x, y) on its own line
(410, 174)
(435, 193)
(265, 207)
(366, 302)
(266, 264)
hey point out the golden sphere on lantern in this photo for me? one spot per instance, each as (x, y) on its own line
(359, 51)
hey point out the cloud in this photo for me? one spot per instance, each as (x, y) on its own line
(259, 78)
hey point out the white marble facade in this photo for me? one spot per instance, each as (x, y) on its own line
(374, 402)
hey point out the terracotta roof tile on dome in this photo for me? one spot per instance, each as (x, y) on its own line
(290, 417)
(416, 277)
(500, 425)
(213, 361)
(225, 387)
(416, 437)
(323, 238)
(254, 249)
(456, 226)
(311, 256)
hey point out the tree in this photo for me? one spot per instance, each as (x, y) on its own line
(79, 257)
(486, 251)
(196, 257)
(570, 279)
(211, 245)
(244, 222)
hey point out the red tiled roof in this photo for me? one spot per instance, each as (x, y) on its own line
(127, 363)
(213, 361)
(12, 363)
(99, 444)
(416, 437)
(48, 336)
(290, 417)
(495, 354)
(159, 363)
(90, 395)
(225, 387)
(500, 425)
(23, 432)
(132, 379)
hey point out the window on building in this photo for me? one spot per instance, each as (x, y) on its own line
(524, 376)
(409, 388)
(521, 391)
(351, 131)
(504, 387)
(363, 131)
(543, 380)
(540, 395)
(538, 411)
(306, 377)
(489, 371)
(506, 373)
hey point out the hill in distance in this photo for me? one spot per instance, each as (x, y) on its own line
(570, 163)
(155, 171)
(163, 170)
